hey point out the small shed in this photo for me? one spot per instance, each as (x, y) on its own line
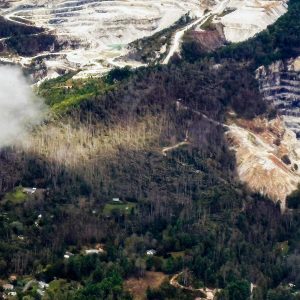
(93, 251)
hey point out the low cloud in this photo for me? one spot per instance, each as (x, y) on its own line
(20, 109)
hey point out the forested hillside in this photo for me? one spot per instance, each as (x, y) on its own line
(137, 161)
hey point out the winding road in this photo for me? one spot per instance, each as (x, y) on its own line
(209, 293)
(177, 39)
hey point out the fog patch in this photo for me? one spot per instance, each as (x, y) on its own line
(20, 108)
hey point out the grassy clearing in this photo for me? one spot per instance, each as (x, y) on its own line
(63, 93)
(16, 197)
(120, 208)
(282, 247)
(177, 254)
(70, 102)
(138, 287)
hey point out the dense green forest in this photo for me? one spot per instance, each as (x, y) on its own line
(105, 180)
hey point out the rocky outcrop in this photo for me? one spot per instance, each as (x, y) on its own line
(268, 151)
(280, 86)
(208, 40)
(268, 156)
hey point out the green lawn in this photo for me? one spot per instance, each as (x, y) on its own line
(64, 92)
(16, 197)
(177, 254)
(120, 208)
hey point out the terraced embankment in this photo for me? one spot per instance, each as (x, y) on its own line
(280, 86)
(92, 35)
(97, 32)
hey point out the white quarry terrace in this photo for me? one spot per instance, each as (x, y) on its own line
(250, 17)
(102, 30)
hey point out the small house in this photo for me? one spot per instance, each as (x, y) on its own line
(43, 285)
(116, 200)
(291, 285)
(8, 287)
(29, 190)
(93, 251)
(68, 255)
(150, 252)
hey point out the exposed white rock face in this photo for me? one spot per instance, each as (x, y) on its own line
(103, 23)
(280, 86)
(268, 157)
(268, 152)
(250, 17)
(101, 29)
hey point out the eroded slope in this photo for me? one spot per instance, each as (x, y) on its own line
(268, 156)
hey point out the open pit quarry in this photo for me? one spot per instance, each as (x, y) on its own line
(268, 151)
(95, 37)
(95, 34)
(100, 30)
